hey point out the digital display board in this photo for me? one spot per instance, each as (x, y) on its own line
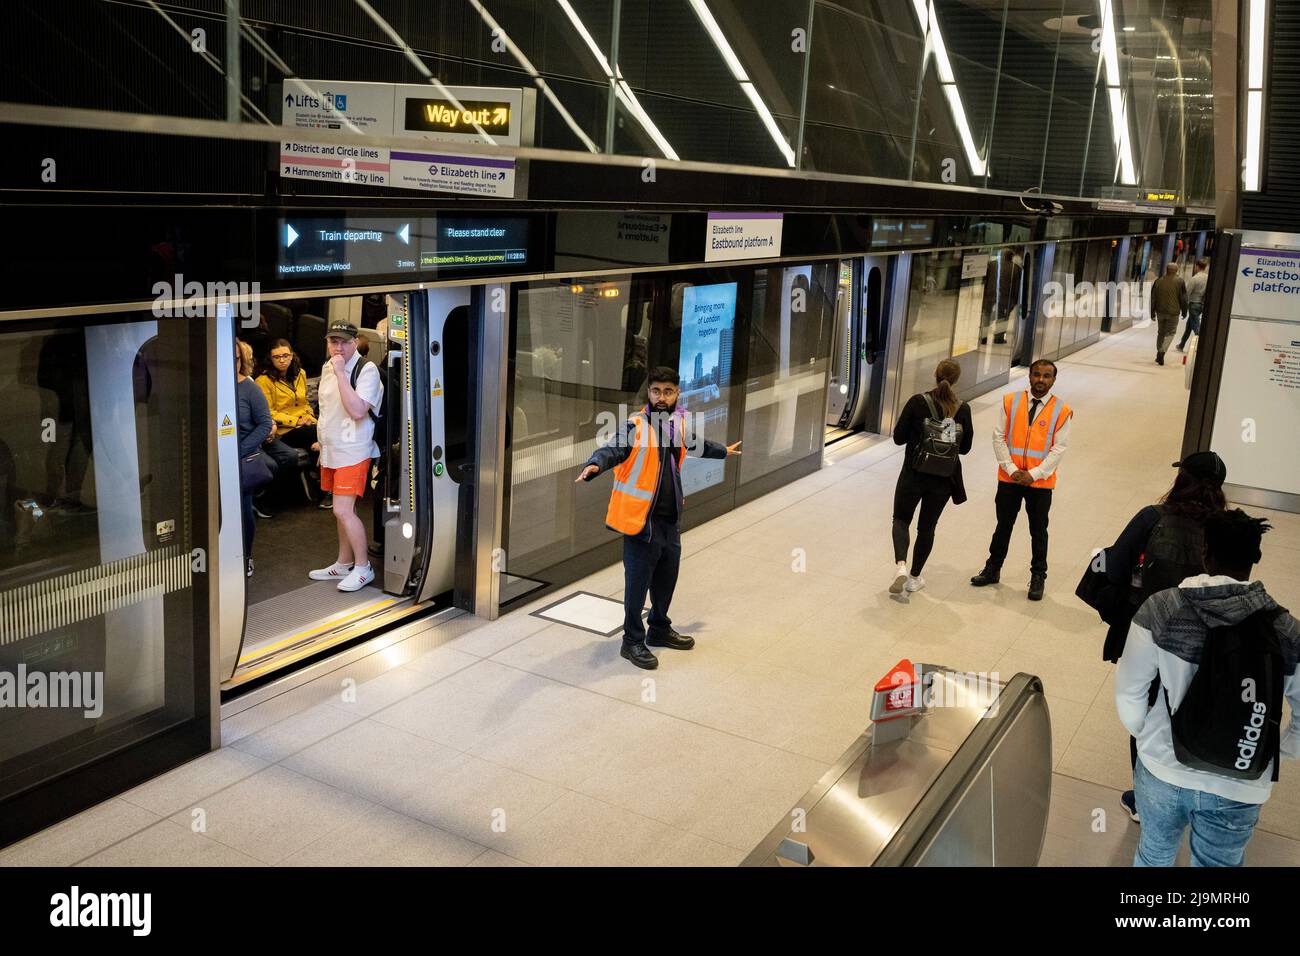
(370, 246)
(704, 365)
(442, 116)
(901, 232)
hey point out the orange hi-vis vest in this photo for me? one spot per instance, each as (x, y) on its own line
(1029, 442)
(637, 478)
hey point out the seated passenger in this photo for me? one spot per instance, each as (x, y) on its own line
(284, 384)
(1219, 623)
(254, 426)
(363, 344)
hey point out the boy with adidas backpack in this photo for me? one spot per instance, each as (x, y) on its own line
(1208, 750)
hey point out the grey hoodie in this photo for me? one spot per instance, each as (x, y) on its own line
(1166, 638)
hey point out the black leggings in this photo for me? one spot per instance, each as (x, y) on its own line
(906, 497)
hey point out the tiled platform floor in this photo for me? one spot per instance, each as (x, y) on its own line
(522, 741)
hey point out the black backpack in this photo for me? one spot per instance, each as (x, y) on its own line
(1229, 721)
(1174, 551)
(936, 452)
(375, 416)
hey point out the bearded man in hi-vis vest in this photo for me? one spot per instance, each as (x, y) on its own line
(1029, 438)
(645, 506)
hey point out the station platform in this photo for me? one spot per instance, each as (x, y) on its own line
(523, 741)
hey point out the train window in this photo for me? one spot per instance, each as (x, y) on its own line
(455, 345)
(792, 323)
(579, 361)
(872, 311)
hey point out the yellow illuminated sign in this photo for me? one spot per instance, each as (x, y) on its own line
(1162, 197)
(467, 116)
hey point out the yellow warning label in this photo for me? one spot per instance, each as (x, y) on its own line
(227, 431)
(437, 388)
(225, 420)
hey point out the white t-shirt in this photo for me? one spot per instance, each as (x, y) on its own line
(343, 440)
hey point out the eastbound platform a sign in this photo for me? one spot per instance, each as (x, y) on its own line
(446, 114)
(1268, 284)
(743, 235)
(1257, 411)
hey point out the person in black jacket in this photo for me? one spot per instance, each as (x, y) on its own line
(254, 428)
(1196, 494)
(931, 491)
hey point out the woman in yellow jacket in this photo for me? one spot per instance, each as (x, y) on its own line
(284, 384)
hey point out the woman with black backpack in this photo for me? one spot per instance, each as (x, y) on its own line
(936, 428)
(1160, 547)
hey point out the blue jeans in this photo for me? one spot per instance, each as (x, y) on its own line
(1193, 322)
(650, 566)
(1221, 828)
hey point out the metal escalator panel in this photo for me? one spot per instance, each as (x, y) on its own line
(965, 782)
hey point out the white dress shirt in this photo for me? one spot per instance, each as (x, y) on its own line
(344, 440)
(1060, 441)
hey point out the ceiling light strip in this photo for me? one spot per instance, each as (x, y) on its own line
(746, 84)
(1252, 176)
(927, 19)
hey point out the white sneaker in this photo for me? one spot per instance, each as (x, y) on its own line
(900, 579)
(335, 572)
(361, 575)
(915, 584)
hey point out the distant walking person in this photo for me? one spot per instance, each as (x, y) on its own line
(1225, 655)
(1168, 302)
(1029, 439)
(936, 428)
(1196, 286)
(645, 506)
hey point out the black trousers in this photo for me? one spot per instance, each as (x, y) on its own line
(908, 493)
(1038, 501)
(650, 565)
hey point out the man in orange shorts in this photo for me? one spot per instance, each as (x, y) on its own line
(346, 431)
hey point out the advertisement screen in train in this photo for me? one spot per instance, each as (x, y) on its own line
(704, 364)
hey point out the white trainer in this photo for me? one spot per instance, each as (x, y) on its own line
(335, 572)
(900, 579)
(915, 584)
(361, 575)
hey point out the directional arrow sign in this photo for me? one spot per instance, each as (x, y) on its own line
(405, 233)
(290, 235)
(1247, 272)
(500, 115)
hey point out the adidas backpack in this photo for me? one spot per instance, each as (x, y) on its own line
(1229, 721)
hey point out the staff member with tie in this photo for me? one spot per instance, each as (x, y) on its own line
(1029, 439)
